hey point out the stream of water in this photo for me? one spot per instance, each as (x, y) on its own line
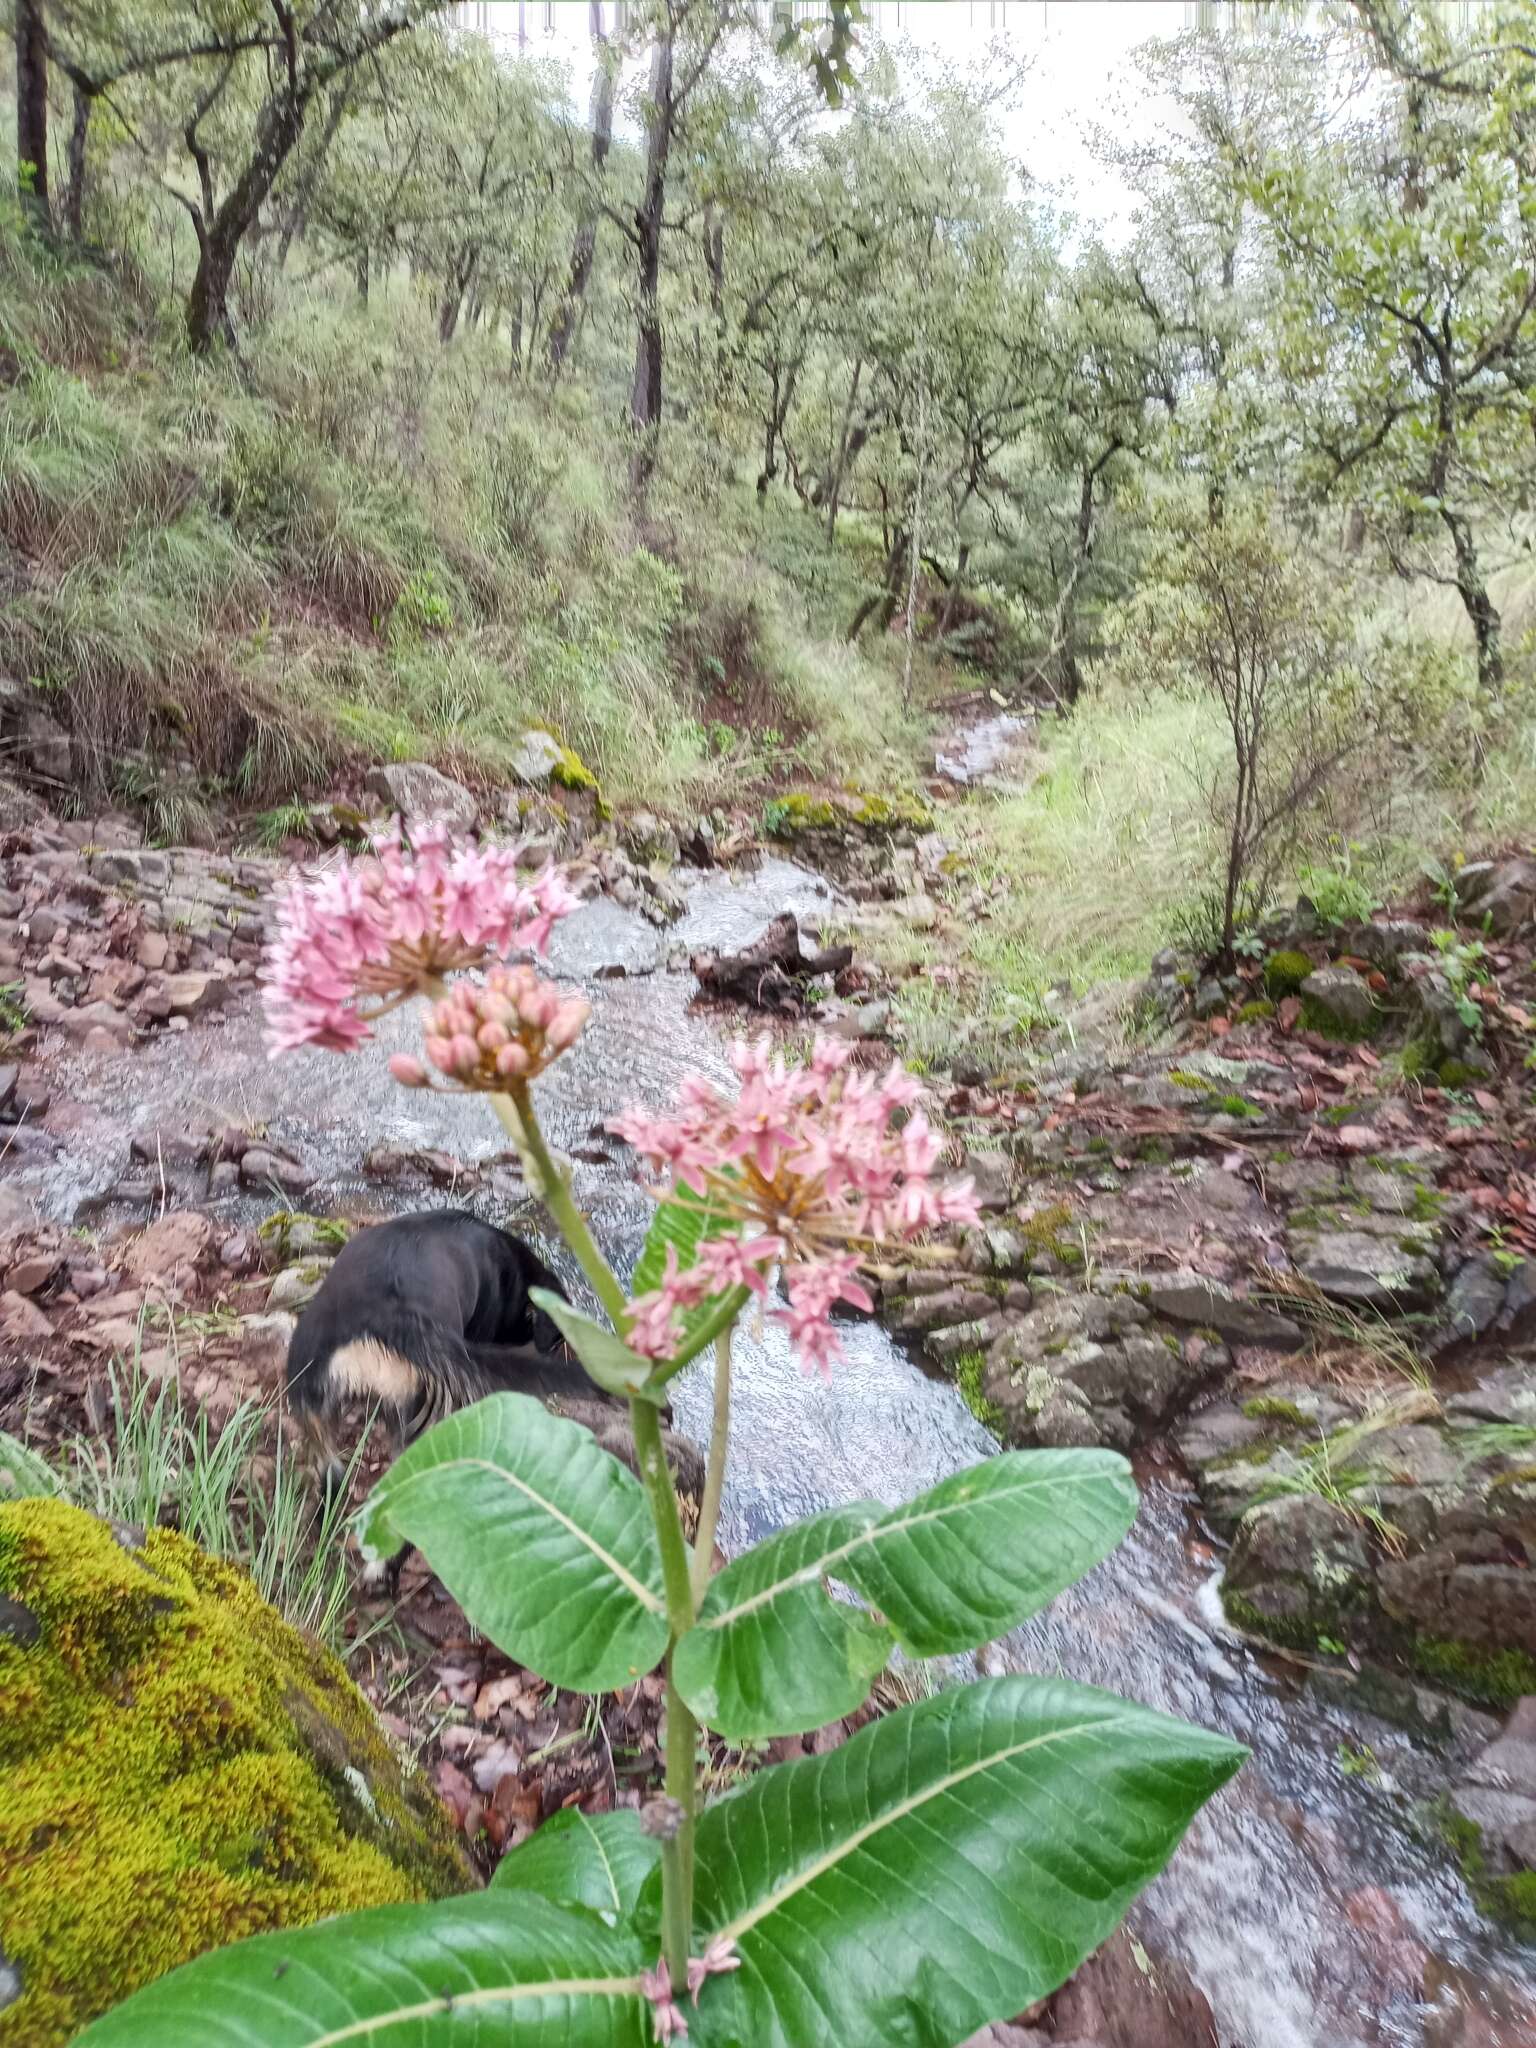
(1303, 1895)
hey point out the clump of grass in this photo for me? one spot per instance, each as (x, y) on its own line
(1346, 1344)
(224, 1489)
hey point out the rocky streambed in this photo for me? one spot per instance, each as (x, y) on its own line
(1109, 1298)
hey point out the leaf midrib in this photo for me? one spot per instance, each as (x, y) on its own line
(746, 1921)
(807, 1574)
(653, 1601)
(496, 1994)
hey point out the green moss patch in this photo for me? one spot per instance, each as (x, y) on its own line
(178, 1769)
(1493, 1678)
(968, 1370)
(1284, 973)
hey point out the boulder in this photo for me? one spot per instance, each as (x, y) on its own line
(1475, 1299)
(417, 790)
(647, 838)
(1298, 1564)
(537, 757)
(248, 1785)
(1498, 1795)
(1196, 1298)
(43, 746)
(1364, 1270)
(296, 1285)
(1344, 997)
(1498, 894)
(169, 1249)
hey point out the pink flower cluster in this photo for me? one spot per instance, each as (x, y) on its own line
(667, 2016)
(496, 1035)
(811, 1170)
(362, 935)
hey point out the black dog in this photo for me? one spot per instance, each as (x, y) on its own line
(423, 1315)
(427, 1313)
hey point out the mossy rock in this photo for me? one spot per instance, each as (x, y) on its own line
(290, 1234)
(787, 817)
(571, 772)
(799, 812)
(1256, 1013)
(1284, 973)
(178, 1769)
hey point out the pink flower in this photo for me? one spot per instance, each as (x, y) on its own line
(496, 1033)
(718, 1960)
(666, 2014)
(812, 1168)
(362, 935)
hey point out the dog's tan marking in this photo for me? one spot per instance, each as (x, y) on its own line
(371, 1369)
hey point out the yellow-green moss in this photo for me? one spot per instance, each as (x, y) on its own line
(571, 772)
(178, 1768)
(890, 813)
(1284, 973)
(1511, 1898)
(969, 1369)
(1493, 1678)
(1255, 1013)
(785, 817)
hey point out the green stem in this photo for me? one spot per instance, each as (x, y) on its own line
(714, 1474)
(682, 1729)
(721, 1318)
(553, 1187)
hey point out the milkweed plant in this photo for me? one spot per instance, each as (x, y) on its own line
(946, 1866)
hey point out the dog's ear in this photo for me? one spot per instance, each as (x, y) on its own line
(547, 1337)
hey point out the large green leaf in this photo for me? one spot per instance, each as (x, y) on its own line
(600, 1860)
(480, 1972)
(944, 1868)
(773, 1653)
(606, 1358)
(543, 1539)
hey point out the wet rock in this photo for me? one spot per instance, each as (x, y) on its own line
(1297, 1563)
(1507, 1394)
(167, 1147)
(1343, 995)
(260, 1167)
(137, 868)
(186, 995)
(99, 1041)
(1498, 894)
(1476, 1296)
(701, 844)
(1467, 1588)
(603, 935)
(1124, 1997)
(104, 1017)
(1187, 1297)
(1498, 1795)
(992, 1173)
(417, 790)
(647, 838)
(1388, 942)
(1367, 1271)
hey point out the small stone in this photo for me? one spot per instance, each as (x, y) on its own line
(1210, 998)
(21, 1319)
(151, 950)
(1297, 1562)
(1365, 1270)
(1341, 992)
(417, 790)
(537, 756)
(296, 1285)
(261, 1168)
(170, 1247)
(1196, 1298)
(9, 1076)
(993, 1174)
(30, 1276)
(100, 1040)
(110, 1026)
(1475, 1299)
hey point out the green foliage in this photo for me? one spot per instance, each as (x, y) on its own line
(1337, 893)
(771, 1653)
(584, 1608)
(1284, 972)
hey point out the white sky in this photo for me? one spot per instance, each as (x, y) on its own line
(1078, 50)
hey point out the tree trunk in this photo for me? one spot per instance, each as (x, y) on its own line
(1487, 626)
(840, 461)
(1064, 636)
(781, 397)
(362, 272)
(74, 191)
(952, 594)
(882, 604)
(278, 128)
(298, 213)
(562, 329)
(645, 392)
(32, 113)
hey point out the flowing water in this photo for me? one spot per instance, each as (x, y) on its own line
(1303, 1899)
